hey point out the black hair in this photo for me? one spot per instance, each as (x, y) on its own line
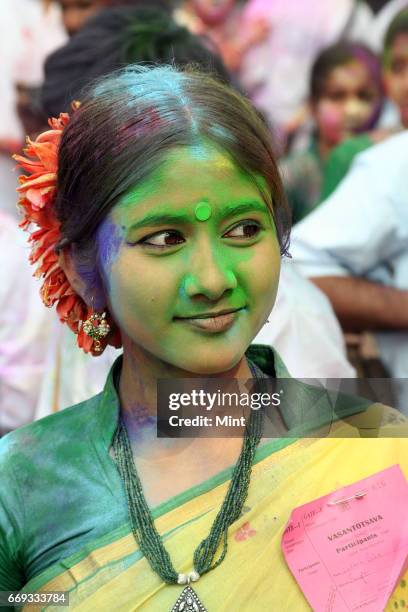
(127, 124)
(336, 55)
(115, 38)
(399, 25)
(162, 4)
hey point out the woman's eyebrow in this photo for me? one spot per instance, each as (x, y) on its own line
(153, 219)
(240, 208)
(158, 219)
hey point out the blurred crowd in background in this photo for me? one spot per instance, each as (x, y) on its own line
(331, 81)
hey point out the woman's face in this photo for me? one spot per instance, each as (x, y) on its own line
(213, 12)
(396, 75)
(76, 12)
(348, 103)
(190, 261)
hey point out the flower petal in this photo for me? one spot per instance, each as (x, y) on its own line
(45, 149)
(37, 181)
(37, 195)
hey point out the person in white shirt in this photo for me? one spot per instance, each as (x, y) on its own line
(355, 248)
(304, 330)
(28, 33)
(24, 330)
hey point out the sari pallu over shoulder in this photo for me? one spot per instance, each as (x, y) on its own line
(112, 574)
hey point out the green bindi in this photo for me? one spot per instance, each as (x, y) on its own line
(202, 211)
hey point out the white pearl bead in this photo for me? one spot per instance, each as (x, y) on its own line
(194, 576)
(182, 579)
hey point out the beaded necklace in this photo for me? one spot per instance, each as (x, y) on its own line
(142, 523)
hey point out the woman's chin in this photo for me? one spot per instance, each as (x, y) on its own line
(213, 365)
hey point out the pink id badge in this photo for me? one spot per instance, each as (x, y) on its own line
(347, 550)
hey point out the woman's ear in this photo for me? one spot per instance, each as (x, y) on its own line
(85, 282)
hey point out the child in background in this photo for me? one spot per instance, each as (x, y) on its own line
(395, 79)
(346, 99)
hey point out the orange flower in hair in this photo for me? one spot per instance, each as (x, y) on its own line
(38, 190)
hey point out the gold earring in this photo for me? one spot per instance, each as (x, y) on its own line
(97, 328)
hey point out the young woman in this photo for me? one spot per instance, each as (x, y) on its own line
(114, 39)
(345, 99)
(169, 222)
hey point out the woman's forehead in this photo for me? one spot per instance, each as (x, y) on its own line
(187, 176)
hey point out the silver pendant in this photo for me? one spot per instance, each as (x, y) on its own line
(188, 602)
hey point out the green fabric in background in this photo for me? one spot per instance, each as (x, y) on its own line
(339, 161)
(309, 180)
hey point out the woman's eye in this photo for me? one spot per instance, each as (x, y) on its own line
(248, 229)
(163, 239)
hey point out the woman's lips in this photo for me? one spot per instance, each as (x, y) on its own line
(214, 324)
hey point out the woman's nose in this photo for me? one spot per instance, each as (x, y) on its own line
(210, 275)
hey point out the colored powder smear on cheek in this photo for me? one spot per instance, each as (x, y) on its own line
(329, 117)
(110, 237)
(330, 121)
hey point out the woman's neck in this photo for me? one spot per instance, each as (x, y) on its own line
(138, 393)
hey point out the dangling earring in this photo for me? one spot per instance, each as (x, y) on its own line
(97, 328)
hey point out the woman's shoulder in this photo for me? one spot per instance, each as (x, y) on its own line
(50, 433)
(56, 478)
(382, 420)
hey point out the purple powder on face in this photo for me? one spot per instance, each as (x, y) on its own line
(109, 239)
